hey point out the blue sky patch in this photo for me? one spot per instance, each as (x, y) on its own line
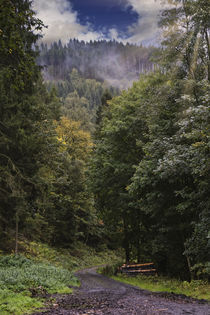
(103, 14)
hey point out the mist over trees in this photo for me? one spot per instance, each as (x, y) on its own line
(82, 72)
(114, 62)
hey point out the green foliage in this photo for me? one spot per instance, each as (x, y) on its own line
(80, 97)
(81, 256)
(14, 261)
(19, 274)
(26, 131)
(150, 166)
(115, 154)
(23, 280)
(110, 270)
(146, 187)
(43, 189)
(202, 270)
(17, 303)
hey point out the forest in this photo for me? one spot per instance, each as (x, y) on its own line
(114, 62)
(87, 158)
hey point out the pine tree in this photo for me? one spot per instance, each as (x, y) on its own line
(24, 132)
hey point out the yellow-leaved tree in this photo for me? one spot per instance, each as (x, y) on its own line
(76, 142)
(72, 211)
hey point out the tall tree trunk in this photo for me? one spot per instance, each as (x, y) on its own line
(127, 253)
(208, 48)
(126, 243)
(16, 232)
(188, 264)
(138, 252)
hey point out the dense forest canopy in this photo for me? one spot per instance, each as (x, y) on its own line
(43, 187)
(83, 161)
(150, 165)
(81, 97)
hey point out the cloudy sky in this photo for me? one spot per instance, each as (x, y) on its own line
(124, 20)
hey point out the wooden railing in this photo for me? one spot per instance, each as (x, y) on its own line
(136, 269)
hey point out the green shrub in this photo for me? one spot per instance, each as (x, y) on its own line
(202, 271)
(110, 270)
(31, 275)
(14, 261)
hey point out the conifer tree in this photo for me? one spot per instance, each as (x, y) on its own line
(24, 124)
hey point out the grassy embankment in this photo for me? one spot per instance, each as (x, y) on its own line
(25, 280)
(196, 288)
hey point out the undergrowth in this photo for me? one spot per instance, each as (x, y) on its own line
(27, 279)
(79, 257)
(22, 278)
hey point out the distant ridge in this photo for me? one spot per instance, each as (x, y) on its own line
(114, 62)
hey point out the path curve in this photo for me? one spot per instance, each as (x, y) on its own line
(100, 295)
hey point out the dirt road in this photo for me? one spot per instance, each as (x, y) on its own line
(102, 296)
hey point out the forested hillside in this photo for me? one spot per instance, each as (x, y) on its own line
(82, 72)
(81, 98)
(114, 62)
(84, 162)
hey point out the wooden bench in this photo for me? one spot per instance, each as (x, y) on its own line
(136, 269)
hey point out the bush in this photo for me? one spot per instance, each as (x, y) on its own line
(110, 270)
(14, 261)
(202, 271)
(19, 273)
(22, 278)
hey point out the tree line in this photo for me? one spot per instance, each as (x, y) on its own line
(114, 62)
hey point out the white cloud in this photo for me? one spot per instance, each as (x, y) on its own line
(62, 22)
(108, 3)
(146, 28)
(113, 34)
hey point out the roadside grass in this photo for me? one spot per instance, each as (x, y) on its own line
(17, 303)
(26, 279)
(79, 257)
(196, 288)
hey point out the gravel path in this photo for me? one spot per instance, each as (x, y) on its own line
(103, 296)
